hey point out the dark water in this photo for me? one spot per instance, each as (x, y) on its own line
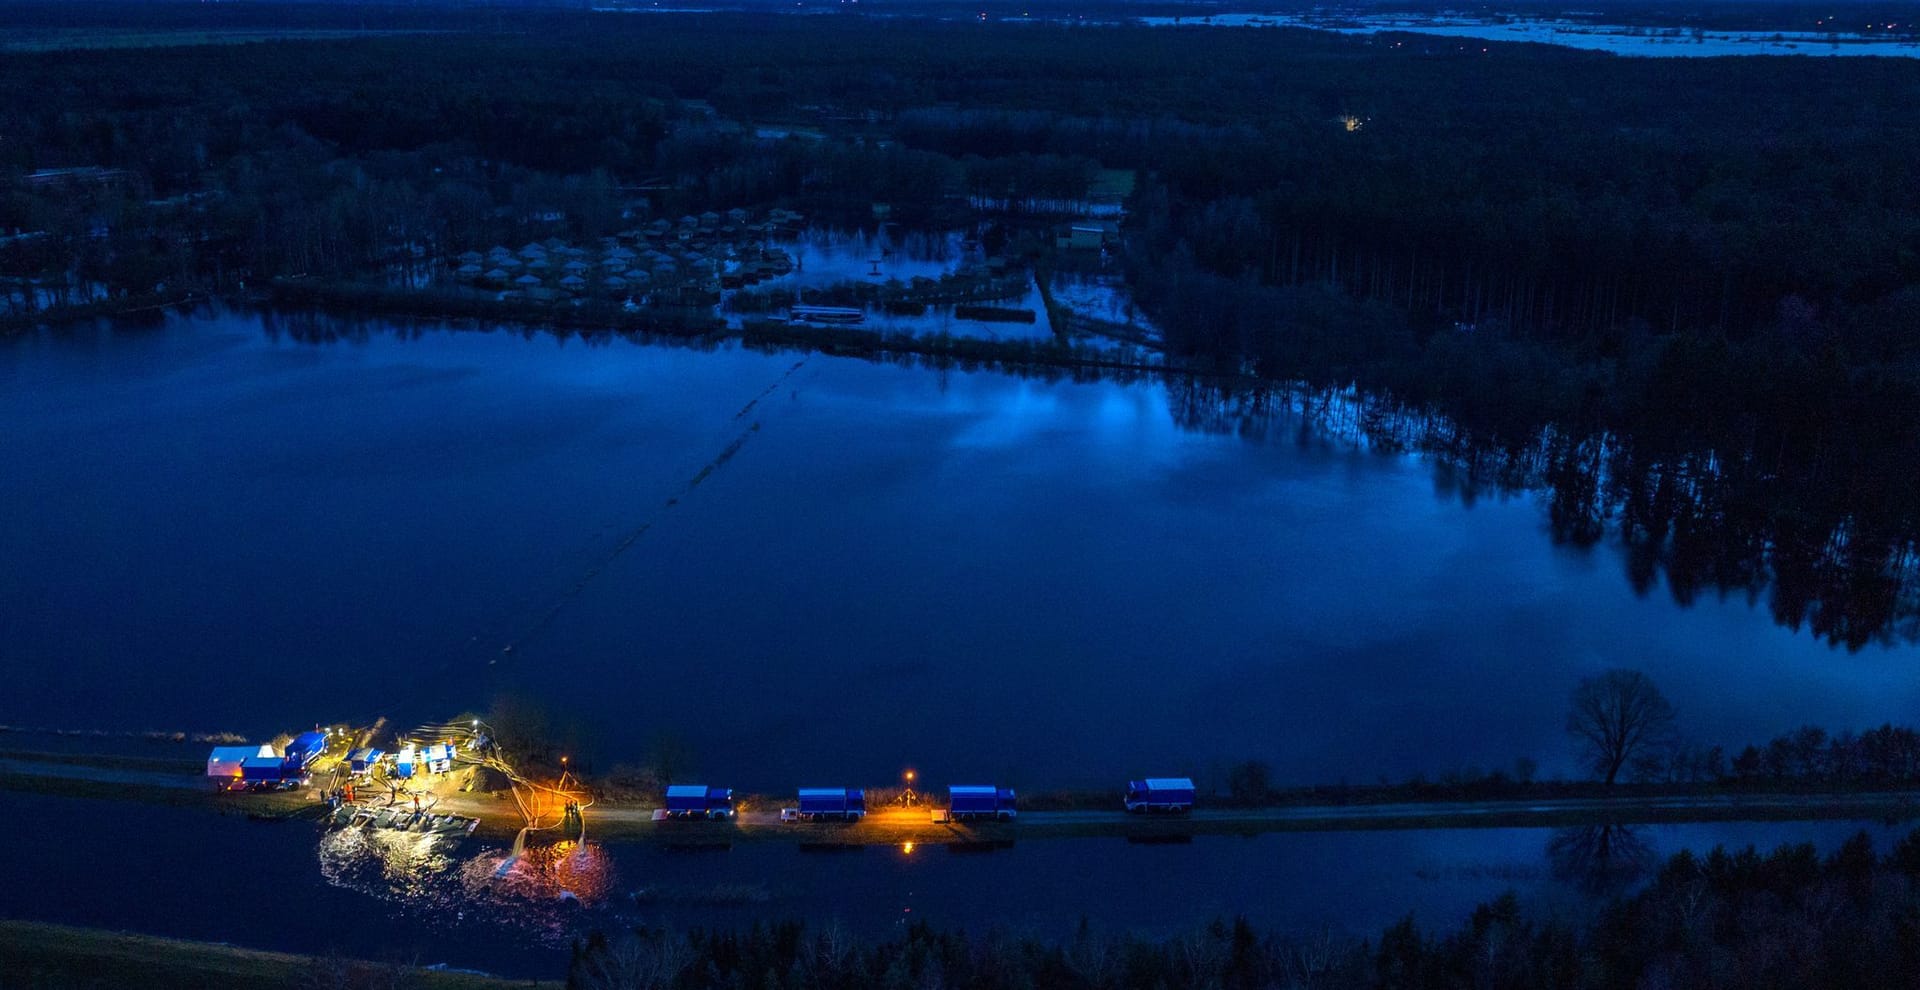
(831, 568)
(186, 873)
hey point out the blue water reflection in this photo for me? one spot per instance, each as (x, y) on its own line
(831, 568)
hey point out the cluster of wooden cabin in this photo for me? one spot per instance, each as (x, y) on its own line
(695, 255)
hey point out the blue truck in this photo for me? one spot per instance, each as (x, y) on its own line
(268, 771)
(975, 801)
(698, 801)
(1162, 795)
(819, 804)
(304, 749)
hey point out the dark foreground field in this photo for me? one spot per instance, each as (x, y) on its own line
(57, 957)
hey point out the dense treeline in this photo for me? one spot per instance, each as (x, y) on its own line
(1886, 758)
(1538, 187)
(1572, 199)
(1785, 919)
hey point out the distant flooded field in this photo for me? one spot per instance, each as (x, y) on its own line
(1620, 39)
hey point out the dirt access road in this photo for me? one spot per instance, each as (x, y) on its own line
(107, 779)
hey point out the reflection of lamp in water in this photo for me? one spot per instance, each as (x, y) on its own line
(907, 848)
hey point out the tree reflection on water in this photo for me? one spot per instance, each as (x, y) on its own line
(1822, 526)
(1601, 860)
(1831, 545)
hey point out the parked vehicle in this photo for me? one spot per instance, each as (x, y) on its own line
(268, 772)
(305, 748)
(818, 804)
(1160, 795)
(699, 801)
(971, 802)
(362, 761)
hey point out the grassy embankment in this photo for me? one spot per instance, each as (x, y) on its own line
(276, 806)
(55, 957)
(885, 829)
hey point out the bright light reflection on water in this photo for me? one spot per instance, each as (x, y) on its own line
(542, 891)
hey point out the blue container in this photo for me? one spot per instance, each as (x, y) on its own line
(304, 748)
(1170, 794)
(265, 769)
(980, 801)
(698, 799)
(832, 802)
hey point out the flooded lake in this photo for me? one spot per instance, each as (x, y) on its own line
(799, 568)
(188, 874)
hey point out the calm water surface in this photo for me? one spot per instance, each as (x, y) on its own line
(185, 873)
(804, 569)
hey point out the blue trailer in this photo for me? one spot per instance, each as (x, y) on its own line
(1163, 795)
(971, 801)
(305, 748)
(260, 771)
(699, 801)
(361, 761)
(828, 804)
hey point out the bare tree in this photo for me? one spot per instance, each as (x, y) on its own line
(1617, 716)
(637, 961)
